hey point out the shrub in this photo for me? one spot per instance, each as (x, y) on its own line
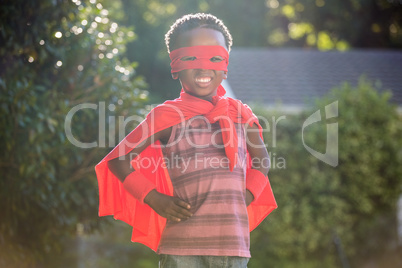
(325, 212)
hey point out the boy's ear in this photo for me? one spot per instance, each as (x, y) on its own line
(225, 75)
(175, 75)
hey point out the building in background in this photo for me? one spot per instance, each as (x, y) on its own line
(293, 78)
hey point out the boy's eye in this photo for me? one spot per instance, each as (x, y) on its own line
(216, 59)
(188, 58)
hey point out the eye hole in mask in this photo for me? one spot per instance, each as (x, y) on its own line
(188, 58)
(216, 59)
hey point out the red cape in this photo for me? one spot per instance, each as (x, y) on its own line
(147, 224)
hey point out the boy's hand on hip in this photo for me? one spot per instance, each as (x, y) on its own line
(169, 207)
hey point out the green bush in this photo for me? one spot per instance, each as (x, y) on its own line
(325, 213)
(55, 55)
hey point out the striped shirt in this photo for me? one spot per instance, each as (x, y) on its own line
(199, 171)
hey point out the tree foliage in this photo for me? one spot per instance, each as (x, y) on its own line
(326, 212)
(311, 24)
(337, 25)
(55, 55)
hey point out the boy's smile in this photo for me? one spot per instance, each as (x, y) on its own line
(203, 80)
(202, 83)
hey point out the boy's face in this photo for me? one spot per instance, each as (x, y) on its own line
(202, 83)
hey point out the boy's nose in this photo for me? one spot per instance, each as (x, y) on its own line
(204, 71)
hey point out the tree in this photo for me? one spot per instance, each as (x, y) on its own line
(328, 25)
(325, 213)
(318, 24)
(55, 55)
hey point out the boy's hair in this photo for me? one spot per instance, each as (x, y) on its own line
(193, 21)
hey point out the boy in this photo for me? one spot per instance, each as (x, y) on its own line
(191, 178)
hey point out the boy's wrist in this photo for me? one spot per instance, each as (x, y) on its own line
(138, 186)
(150, 196)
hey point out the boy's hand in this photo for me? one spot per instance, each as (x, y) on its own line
(249, 197)
(169, 207)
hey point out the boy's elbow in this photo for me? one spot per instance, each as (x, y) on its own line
(120, 168)
(112, 164)
(265, 162)
(262, 164)
(264, 170)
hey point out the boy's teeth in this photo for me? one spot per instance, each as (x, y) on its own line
(203, 80)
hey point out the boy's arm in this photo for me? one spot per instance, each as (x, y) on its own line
(121, 168)
(256, 177)
(137, 185)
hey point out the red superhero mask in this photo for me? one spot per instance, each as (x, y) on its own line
(202, 57)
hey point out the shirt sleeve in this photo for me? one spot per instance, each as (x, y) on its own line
(138, 185)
